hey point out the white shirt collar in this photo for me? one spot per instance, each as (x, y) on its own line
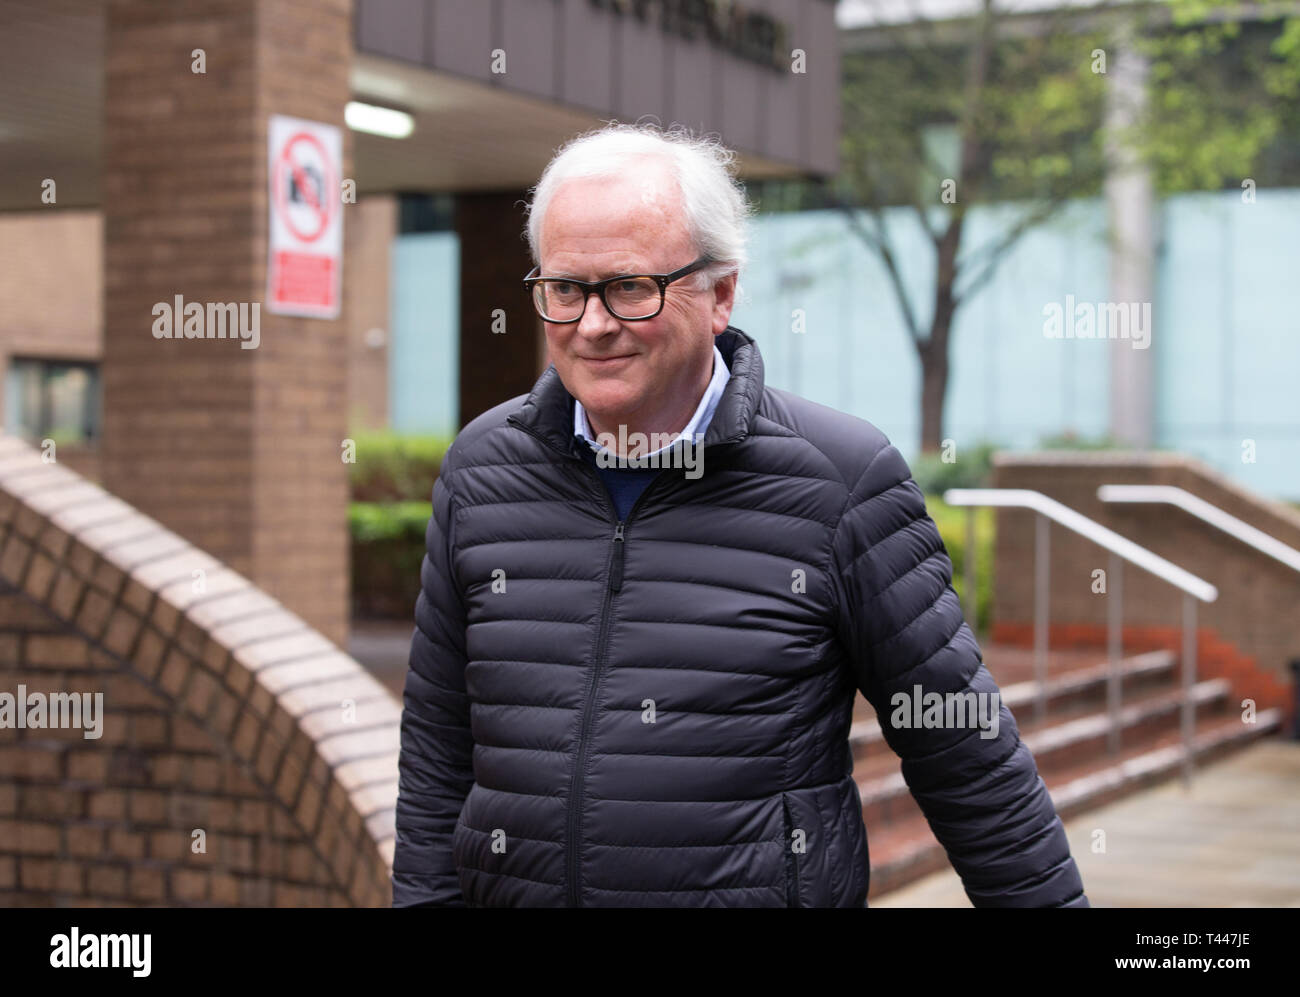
(694, 430)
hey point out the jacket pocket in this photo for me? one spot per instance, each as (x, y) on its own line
(462, 842)
(855, 834)
(826, 846)
(791, 857)
(461, 832)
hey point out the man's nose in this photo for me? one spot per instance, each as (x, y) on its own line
(596, 320)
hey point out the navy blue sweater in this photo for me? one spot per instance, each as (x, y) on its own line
(624, 484)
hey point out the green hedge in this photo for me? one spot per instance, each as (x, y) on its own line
(395, 467)
(1072, 441)
(387, 550)
(972, 468)
(391, 482)
(378, 521)
(951, 521)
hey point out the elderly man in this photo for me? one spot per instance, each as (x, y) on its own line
(633, 671)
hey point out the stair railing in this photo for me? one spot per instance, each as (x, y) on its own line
(1047, 511)
(1206, 512)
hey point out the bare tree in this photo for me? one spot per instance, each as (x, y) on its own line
(1020, 100)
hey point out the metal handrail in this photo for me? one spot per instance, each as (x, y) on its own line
(1088, 528)
(1203, 510)
(1121, 549)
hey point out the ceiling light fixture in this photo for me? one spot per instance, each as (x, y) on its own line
(376, 120)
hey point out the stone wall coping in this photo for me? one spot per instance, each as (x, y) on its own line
(1140, 459)
(1070, 458)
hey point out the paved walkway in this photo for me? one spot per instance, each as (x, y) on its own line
(384, 647)
(1232, 840)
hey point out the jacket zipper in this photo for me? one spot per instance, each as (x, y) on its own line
(613, 584)
(584, 731)
(577, 787)
(791, 856)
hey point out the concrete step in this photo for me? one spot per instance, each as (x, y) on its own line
(1055, 745)
(1079, 685)
(1060, 744)
(906, 849)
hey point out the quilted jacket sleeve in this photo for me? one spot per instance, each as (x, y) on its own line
(435, 765)
(902, 625)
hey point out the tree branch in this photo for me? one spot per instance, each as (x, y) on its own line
(878, 242)
(993, 251)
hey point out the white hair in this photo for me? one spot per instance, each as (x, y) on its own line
(713, 201)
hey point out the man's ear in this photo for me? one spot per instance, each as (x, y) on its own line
(724, 300)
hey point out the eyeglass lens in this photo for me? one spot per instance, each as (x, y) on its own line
(562, 300)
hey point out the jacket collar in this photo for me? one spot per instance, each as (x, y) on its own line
(547, 412)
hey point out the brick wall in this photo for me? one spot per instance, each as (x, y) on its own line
(1259, 598)
(51, 283)
(237, 450)
(222, 712)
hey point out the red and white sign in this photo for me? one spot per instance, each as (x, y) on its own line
(305, 261)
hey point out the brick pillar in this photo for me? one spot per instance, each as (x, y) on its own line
(237, 450)
(493, 261)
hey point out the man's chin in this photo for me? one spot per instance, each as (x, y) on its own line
(609, 408)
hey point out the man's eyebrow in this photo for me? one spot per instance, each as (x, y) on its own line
(623, 272)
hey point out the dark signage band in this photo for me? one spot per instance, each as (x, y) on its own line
(749, 34)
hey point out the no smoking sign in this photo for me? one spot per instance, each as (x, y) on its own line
(305, 248)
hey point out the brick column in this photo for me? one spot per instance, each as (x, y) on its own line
(238, 450)
(493, 260)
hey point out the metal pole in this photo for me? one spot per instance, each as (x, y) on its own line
(972, 604)
(1041, 581)
(1189, 680)
(1295, 708)
(1115, 638)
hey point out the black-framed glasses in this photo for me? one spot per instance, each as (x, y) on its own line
(629, 297)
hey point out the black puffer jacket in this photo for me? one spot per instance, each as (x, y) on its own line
(654, 720)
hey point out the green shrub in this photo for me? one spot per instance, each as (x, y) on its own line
(395, 467)
(1071, 441)
(971, 469)
(387, 551)
(372, 521)
(951, 521)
